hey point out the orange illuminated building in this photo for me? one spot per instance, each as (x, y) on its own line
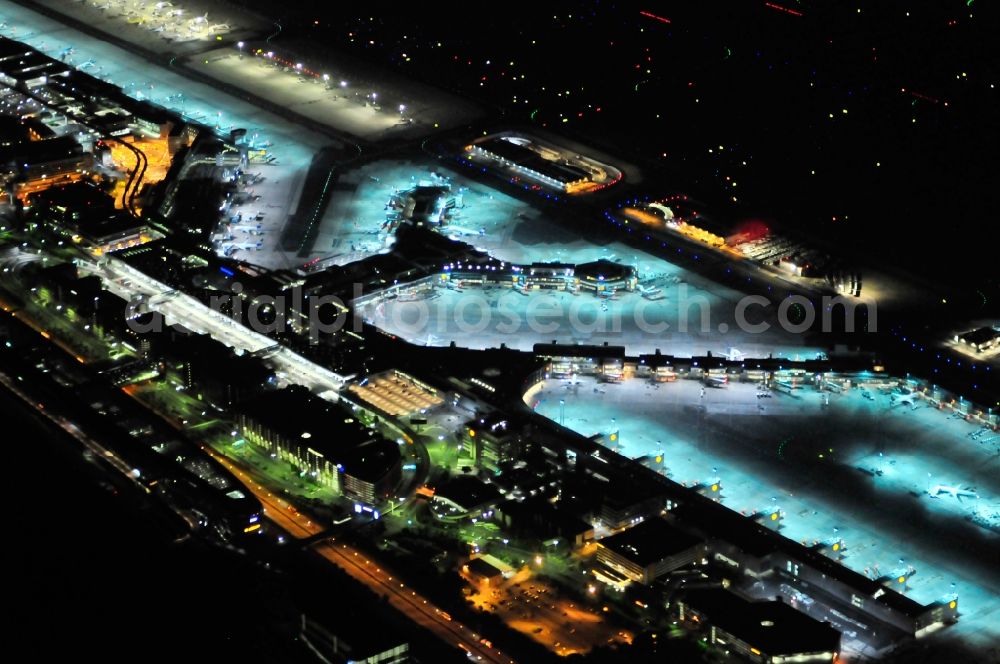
(34, 163)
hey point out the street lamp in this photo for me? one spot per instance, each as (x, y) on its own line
(343, 84)
(240, 46)
(402, 107)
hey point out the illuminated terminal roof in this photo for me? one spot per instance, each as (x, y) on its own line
(481, 569)
(87, 212)
(467, 493)
(984, 337)
(395, 394)
(424, 204)
(14, 130)
(508, 150)
(554, 350)
(718, 522)
(298, 415)
(530, 160)
(772, 628)
(370, 461)
(20, 64)
(650, 542)
(604, 270)
(39, 152)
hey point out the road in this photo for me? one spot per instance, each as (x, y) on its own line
(410, 603)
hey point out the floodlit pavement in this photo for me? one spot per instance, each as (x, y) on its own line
(927, 445)
(820, 465)
(354, 227)
(323, 102)
(292, 145)
(160, 26)
(143, 80)
(507, 228)
(282, 184)
(485, 318)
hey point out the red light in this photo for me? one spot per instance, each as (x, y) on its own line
(655, 17)
(783, 9)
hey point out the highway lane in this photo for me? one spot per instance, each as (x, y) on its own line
(413, 605)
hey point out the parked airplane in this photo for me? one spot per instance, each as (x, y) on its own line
(953, 491)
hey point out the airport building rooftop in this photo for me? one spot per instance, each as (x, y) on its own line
(771, 630)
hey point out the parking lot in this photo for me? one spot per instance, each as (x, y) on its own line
(534, 607)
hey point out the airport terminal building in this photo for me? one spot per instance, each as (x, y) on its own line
(647, 551)
(770, 632)
(521, 159)
(320, 438)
